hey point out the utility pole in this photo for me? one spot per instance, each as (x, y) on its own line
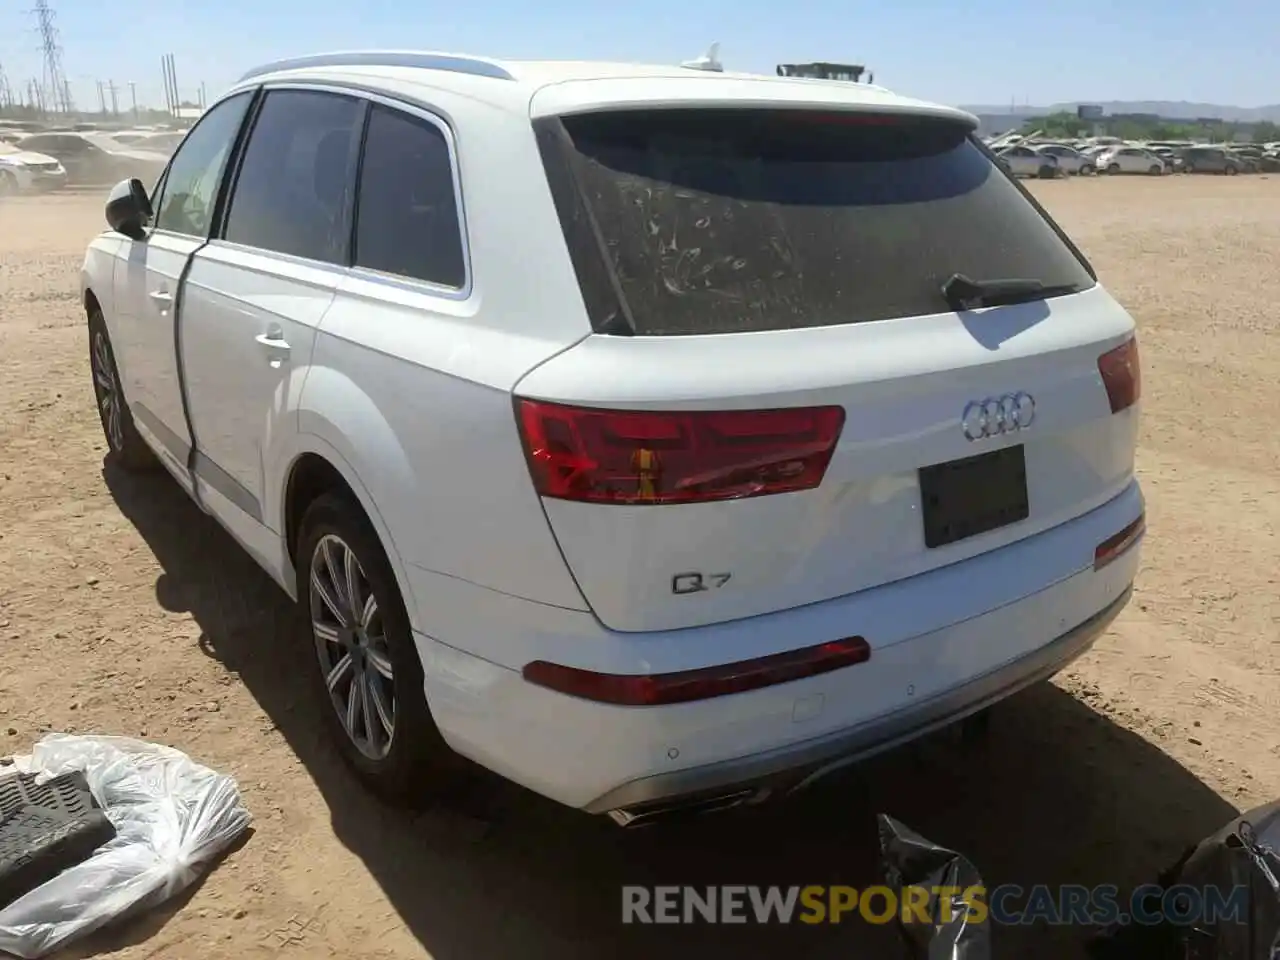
(133, 96)
(203, 101)
(102, 98)
(55, 78)
(115, 105)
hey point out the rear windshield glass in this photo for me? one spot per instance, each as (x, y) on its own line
(733, 220)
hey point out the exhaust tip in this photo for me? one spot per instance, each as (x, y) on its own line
(639, 816)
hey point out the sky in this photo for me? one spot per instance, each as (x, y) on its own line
(976, 53)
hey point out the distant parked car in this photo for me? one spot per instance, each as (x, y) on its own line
(1130, 160)
(1270, 162)
(1210, 160)
(24, 171)
(161, 141)
(95, 159)
(1026, 162)
(1250, 158)
(1070, 160)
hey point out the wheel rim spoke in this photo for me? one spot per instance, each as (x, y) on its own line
(380, 663)
(331, 564)
(326, 597)
(353, 707)
(351, 574)
(366, 711)
(339, 671)
(369, 612)
(326, 632)
(384, 710)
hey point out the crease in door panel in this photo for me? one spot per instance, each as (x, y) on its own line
(193, 451)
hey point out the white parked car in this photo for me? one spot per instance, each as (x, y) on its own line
(1130, 160)
(25, 171)
(1029, 162)
(650, 436)
(1070, 160)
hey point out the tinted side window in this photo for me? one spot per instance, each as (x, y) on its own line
(293, 192)
(195, 172)
(407, 212)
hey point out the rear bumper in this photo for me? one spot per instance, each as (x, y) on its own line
(800, 764)
(945, 644)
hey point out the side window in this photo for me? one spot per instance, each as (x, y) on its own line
(293, 193)
(190, 185)
(407, 211)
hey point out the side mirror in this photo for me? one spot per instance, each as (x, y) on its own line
(129, 209)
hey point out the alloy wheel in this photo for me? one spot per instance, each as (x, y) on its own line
(351, 644)
(107, 391)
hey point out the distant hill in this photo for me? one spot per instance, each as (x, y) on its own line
(1169, 109)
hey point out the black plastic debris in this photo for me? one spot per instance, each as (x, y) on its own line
(908, 860)
(1237, 872)
(45, 828)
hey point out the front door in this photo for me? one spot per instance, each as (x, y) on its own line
(153, 269)
(254, 297)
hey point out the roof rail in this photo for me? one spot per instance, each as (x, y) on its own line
(454, 63)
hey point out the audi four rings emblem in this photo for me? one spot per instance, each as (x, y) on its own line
(994, 416)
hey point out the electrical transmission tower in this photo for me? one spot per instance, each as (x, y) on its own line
(55, 79)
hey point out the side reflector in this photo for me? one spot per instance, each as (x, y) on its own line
(1122, 375)
(1110, 548)
(650, 690)
(641, 457)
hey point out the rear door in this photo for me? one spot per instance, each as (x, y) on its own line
(257, 292)
(779, 405)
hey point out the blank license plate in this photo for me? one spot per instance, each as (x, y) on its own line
(963, 498)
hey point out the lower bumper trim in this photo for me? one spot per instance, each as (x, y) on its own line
(797, 765)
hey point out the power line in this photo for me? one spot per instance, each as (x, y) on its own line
(55, 78)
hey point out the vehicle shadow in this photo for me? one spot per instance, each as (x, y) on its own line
(1055, 794)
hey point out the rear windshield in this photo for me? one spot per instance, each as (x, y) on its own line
(734, 220)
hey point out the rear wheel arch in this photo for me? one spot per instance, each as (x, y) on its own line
(316, 470)
(91, 303)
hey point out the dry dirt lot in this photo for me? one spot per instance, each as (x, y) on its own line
(123, 610)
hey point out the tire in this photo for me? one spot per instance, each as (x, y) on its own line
(1114, 168)
(1231, 171)
(8, 184)
(410, 763)
(1047, 172)
(1086, 169)
(1156, 171)
(125, 446)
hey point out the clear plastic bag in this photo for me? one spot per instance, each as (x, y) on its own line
(171, 815)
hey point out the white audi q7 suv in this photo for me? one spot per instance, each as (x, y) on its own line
(657, 438)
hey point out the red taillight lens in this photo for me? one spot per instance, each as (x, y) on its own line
(1110, 548)
(1122, 375)
(651, 690)
(625, 456)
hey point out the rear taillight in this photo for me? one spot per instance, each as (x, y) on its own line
(1122, 375)
(651, 690)
(1111, 548)
(626, 456)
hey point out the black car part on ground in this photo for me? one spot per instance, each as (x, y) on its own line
(908, 860)
(44, 829)
(1242, 856)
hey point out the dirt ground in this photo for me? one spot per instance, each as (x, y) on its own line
(124, 610)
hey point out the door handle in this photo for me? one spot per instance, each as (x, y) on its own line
(162, 297)
(276, 346)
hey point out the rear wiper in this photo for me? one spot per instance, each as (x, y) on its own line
(962, 293)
